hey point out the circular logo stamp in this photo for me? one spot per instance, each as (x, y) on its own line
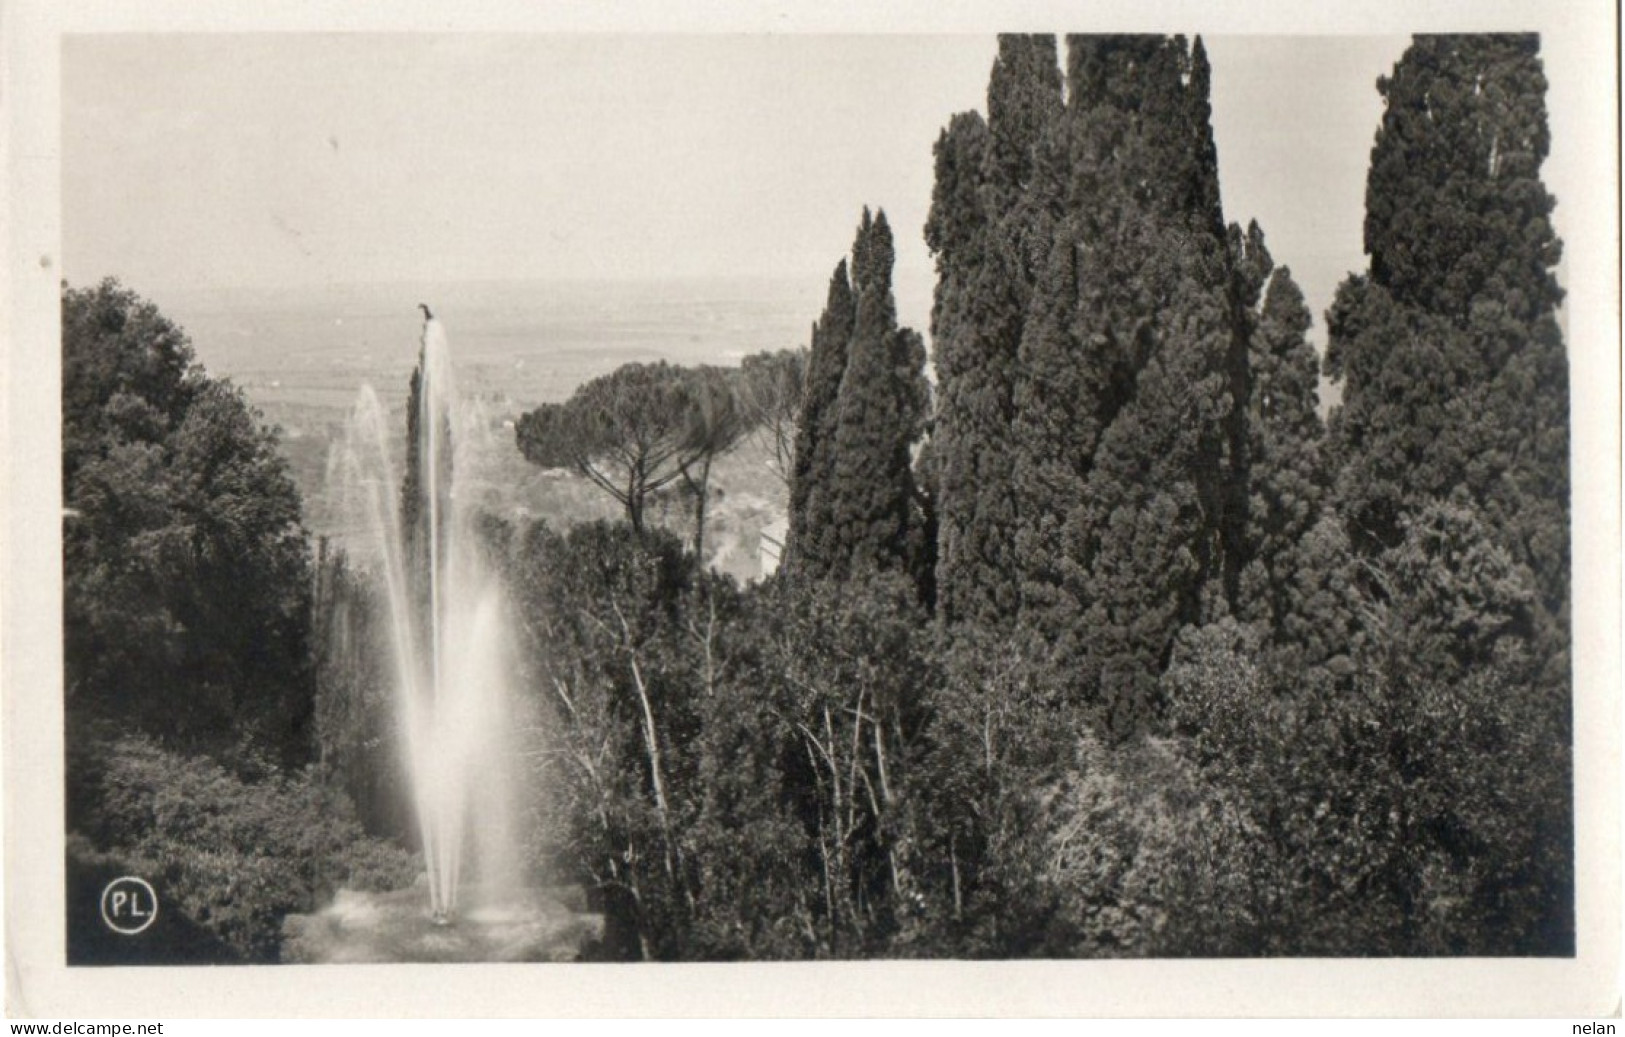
(129, 905)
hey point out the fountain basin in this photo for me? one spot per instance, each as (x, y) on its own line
(531, 925)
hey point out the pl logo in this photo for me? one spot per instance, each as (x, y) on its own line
(129, 905)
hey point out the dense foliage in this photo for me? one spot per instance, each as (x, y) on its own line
(187, 576)
(854, 503)
(232, 856)
(1235, 685)
(1455, 403)
(1114, 644)
(637, 430)
(191, 707)
(770, 388)
(992, 208)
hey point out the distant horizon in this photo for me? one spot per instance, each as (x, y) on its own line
(565, 279)
(913, 296)
(268, 164)
(286, 162)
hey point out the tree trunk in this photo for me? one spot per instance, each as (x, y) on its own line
(651, 741)
(702, 495)
(634, 503)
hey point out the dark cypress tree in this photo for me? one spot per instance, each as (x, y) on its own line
(416, 488)
(1073, 369)
(1454, 371)
(1286, 476)
(411, 481)
(1455, 208)
(854, 502)
(1399, 366)
(811, 478)
(972, 382)
(1151, 525)
(993, 212)
(1023, 99)
(1203, 202)
(1059, 397)
(881, 412)
(1455, 391)
(1126, 438)
(1513, 456)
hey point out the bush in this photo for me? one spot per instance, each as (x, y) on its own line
(1147, 860)
(996, 730)
(186, 570)
(235, 857)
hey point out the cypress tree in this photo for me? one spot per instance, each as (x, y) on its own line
(1203, 202)
(1455, 381)
(1455, 376)
(811, 477)
(993, 211)
(881, 410)
(972, 408)
(416, 487)
(1455, 208)
(1286, 477)
(411, 482)
(1126, 436)
(1096, 329)
(1151, 525)
(854, 502)
(1074, 365)
(1399, 366)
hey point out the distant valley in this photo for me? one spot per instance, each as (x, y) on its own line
(302, 354)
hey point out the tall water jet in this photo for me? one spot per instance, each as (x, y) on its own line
(447, 618)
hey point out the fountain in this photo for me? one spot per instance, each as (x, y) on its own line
(451, 659)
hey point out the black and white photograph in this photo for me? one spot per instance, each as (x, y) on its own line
(989, 496)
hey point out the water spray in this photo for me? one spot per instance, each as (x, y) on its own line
(450, 627)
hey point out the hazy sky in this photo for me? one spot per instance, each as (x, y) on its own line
(280, 160)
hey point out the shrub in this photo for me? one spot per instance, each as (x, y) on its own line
(235, 857)
(1148, 861)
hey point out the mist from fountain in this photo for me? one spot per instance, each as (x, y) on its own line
(451, 653)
